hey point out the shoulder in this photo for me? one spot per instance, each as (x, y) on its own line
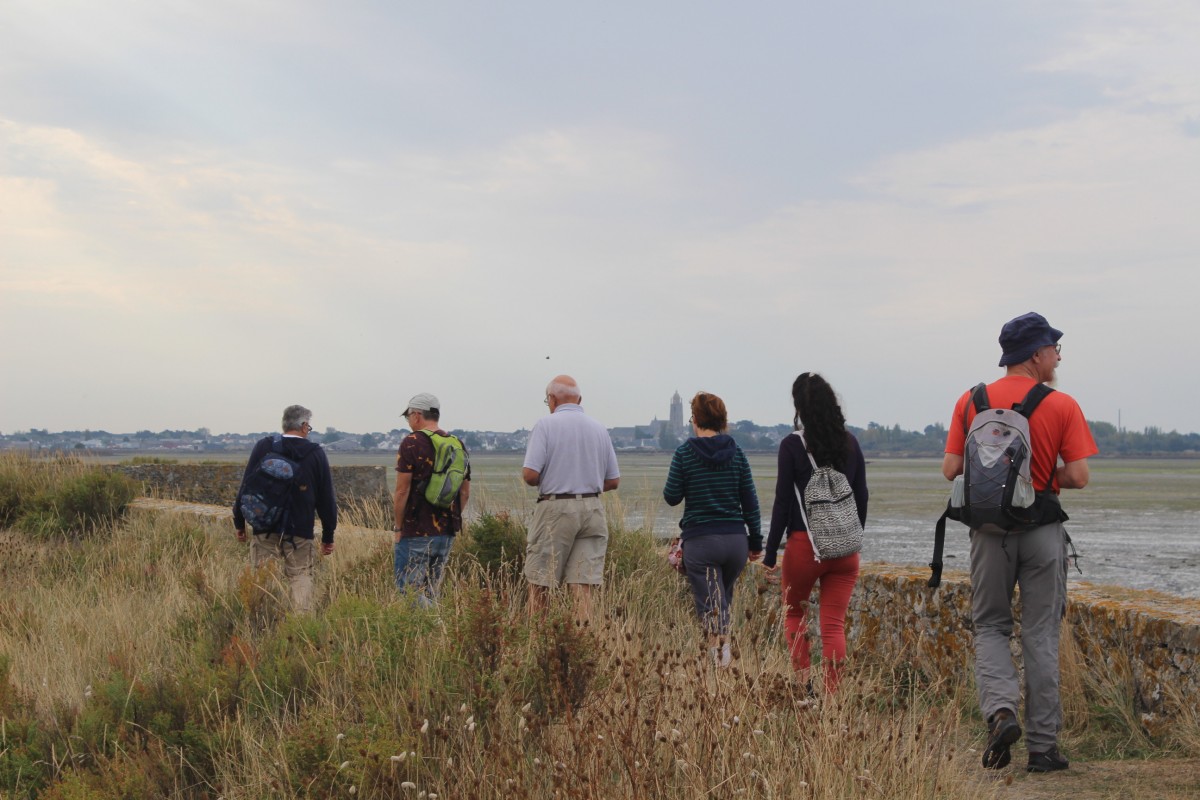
(791, 444)
(413, 442)
(1060, 404)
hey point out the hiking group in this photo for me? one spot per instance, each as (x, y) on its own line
(1012, 445)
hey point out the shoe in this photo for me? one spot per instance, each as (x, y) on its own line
(1003, 730)
(1049, 761)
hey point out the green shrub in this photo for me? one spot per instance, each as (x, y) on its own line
(497, 542)
(78, 504)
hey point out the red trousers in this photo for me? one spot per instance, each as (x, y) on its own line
(836, 578)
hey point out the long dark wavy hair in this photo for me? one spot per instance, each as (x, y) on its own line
(818, 413)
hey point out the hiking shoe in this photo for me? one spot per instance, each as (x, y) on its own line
(1049, 761)
(1002, 732)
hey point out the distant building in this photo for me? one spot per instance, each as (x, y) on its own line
(676, 418)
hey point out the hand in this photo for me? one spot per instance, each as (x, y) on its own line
(755, 555)
(241, 534)
(326, 548)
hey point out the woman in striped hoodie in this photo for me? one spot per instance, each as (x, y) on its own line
(721, 526)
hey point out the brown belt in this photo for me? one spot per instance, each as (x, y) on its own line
(542, 497)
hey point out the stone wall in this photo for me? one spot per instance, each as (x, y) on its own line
(217, 484)
(1147, 640)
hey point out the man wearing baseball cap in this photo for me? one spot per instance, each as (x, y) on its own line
(1035, 558)
(423, 532)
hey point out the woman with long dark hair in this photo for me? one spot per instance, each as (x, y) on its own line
(721, 526)
(820, 425)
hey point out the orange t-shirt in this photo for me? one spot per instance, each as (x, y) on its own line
(1057, 427)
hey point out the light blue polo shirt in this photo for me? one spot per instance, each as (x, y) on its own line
(571, 451)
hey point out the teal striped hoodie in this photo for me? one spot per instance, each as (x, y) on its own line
(712, 474)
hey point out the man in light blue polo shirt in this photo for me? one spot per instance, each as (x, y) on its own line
(570, 459)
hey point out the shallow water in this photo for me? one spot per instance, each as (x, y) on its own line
(1136, 525)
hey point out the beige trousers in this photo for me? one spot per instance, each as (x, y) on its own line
(297, 556)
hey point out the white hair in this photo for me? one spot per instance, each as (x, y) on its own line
(561, 391)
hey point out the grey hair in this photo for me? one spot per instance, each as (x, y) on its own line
(432, 415)
(294, 417)
(560, 391)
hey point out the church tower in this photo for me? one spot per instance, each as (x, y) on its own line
(676, 418)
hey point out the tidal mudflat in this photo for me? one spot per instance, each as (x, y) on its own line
(1136, 525)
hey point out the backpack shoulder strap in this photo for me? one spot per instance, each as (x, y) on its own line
(979, 399)
(1032, 400)
(277, 443)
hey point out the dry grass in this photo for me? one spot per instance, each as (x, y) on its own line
(150, 662)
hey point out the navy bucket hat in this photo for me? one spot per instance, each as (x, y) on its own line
(1021, 337)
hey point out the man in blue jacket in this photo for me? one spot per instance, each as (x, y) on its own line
(311, 495)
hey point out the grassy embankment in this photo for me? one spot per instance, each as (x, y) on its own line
(139, 657)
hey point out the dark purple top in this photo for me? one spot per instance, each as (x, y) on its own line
(794, 471)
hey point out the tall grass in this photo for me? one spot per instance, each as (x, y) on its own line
(60, 496)
(151, 662)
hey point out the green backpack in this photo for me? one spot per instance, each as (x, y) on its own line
(449, 469)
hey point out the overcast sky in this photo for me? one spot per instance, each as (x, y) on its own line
(210, 210)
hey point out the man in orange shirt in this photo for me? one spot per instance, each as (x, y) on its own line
(1034, 558)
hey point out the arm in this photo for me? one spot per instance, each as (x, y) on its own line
(536, 455)
(326, 501)
(675, 488)
(464, 494)
(780, 511)
(612, 475)
(859, 485)
(750, 510)
(1073, 474)
(952, 465)
(400, 500)
(956, 435)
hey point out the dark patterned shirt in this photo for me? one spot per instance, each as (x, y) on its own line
(420, 517)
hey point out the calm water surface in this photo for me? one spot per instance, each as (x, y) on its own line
(1137, 524)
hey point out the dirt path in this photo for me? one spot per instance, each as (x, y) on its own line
(1162, 779)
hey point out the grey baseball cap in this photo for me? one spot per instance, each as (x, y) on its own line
(422, 402)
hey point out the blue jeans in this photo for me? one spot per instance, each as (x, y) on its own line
(419, 561)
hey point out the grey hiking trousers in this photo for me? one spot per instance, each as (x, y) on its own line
(1035, 560)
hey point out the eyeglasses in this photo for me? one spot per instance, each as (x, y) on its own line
(1057, 348)
(546, 399)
